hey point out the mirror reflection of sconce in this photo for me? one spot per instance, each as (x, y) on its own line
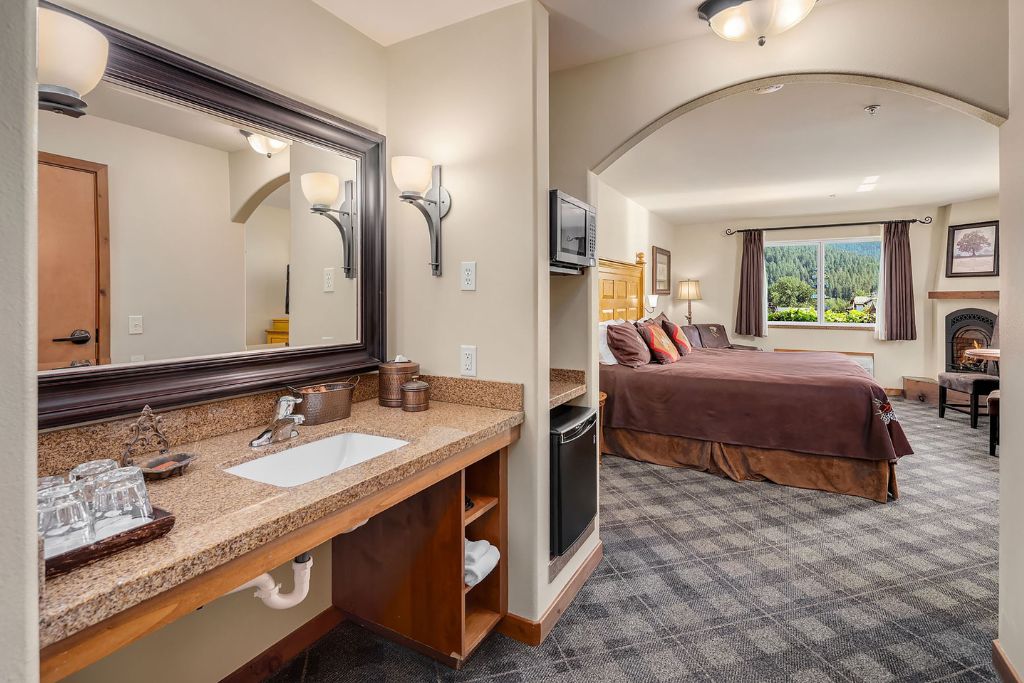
(419, 184)
(72, 58)
(264, 144)
(321, 191)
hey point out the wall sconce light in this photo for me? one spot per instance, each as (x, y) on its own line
(321, 191)
(419, 184)
(264, 144)
(689, 291)
(72, 57)
(652, 302)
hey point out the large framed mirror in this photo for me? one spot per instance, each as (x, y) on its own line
(200, 237)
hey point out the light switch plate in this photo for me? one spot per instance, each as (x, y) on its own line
(467, 361)
(328, 279)
(135, 324)
(467, 276)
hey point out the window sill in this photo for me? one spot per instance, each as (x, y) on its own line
(868, 327)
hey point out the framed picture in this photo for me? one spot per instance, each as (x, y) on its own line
(661, 279)
(972, 250)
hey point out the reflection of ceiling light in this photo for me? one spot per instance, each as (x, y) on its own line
(745, 20)
(769, 89)
(72, 58)
(264, 144)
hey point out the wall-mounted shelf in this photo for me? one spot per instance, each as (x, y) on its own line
(971, 294)
(566, 385)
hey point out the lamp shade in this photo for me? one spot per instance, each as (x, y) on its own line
(412, 174)
(689, 290)
(320, 189)
(71, 54)
(754, 19)
(264, 144)
(652, 300)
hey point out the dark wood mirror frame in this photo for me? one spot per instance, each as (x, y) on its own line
(80, 395)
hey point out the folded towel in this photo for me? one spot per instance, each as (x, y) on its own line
(478, 571)
(475, 550)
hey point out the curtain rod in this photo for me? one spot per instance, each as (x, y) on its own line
(925, 221)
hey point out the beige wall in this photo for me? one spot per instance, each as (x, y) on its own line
(1011, 466)
(18, 551)
(251, 175)
(597, 107)
(180, 264)
(267, 252)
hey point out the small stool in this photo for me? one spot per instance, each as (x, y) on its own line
(993, 414)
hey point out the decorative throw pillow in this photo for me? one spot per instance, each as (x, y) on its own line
(627, 346)
(662, 349)
(603, 352)
(678, 337)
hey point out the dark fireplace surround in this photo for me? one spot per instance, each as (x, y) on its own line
(968, 328)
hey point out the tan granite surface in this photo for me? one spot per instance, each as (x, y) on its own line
(566, 385)
(475, 392)
(221, 516)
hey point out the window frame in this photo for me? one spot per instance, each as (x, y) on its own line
(820, 244)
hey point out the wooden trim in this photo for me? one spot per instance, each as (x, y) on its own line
(81, 649)
(811, 326)
(534, 632)
(1007, 672)
(275, 657)
(971, 294)
(82, 395)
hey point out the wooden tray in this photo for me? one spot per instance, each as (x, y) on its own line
(94, 552)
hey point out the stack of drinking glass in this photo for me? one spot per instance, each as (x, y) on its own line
(97, 500)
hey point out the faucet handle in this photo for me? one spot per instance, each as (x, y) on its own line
(285, 406)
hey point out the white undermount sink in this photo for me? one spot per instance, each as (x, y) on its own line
(311, 461)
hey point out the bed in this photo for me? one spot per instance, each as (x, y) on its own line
(810, 420)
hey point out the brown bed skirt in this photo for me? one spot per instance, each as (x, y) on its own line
(874, 479)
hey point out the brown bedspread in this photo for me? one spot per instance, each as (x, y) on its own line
(819, 403)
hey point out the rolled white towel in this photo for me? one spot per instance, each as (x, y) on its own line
(478, 571)
(475, 550)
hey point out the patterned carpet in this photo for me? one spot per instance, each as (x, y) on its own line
(706, 579)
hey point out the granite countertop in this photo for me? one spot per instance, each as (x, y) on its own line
(220, 516)
(566, 385)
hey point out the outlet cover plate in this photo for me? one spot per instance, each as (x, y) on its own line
(467, 361)
(467, 276)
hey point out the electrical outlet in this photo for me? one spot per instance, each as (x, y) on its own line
(135, 324)
(328, 279)
(467, 276)
(467, 361)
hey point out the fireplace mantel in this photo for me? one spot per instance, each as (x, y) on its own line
(971, 294)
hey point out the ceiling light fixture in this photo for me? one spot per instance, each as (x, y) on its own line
(872, 109)
(264, 144)
(72, 58)
(746, 20)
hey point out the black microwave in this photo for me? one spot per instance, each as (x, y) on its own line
(573, 232)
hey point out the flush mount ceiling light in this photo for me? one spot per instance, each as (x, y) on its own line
(264, 144)
(746, 20)
(419, 184)
(72, 57)
(321, 191)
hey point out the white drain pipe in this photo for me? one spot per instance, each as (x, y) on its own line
(269, 591)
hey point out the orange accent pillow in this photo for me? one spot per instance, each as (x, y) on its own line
(662, 349)
(678, 337)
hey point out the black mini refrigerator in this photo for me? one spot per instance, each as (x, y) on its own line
(573, 474)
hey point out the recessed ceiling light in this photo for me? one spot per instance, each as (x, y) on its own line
(769, 89)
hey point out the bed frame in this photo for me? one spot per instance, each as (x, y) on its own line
(621, 289)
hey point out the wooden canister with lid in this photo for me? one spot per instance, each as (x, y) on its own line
(392, 375)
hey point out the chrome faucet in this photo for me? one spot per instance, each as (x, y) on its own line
(283, 426)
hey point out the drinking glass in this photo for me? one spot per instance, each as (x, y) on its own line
(120, 501)
(47, 482)
(63, 518)
(87, 472)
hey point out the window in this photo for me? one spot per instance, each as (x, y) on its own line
(823, 282)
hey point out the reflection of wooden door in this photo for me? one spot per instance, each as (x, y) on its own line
(74, 263)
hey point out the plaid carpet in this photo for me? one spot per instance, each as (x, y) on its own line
(707, 579)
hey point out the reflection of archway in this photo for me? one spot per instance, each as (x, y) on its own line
(257, 197)
(852, 79)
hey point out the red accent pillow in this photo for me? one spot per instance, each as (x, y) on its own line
(627, 346)
(662, 349)
(678, 337)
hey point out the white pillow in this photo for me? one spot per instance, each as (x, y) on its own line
(604, 354)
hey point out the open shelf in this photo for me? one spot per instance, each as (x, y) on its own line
(479, 622)
(481, 504)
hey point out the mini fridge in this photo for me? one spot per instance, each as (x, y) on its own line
(573, 474)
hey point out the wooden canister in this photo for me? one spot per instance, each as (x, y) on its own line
(392, 376)
(415, 396)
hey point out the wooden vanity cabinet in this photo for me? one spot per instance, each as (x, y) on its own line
(401, 574)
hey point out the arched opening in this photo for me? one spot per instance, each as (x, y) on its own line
(256, 198)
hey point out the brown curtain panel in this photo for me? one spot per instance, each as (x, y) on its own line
(750, 308)
(898, 283)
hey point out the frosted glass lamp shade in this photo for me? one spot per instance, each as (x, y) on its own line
(264, 144)
(754, 19)
(71, 54)
(412, 174)
(689, 290)
(320, 189)
(652, 301)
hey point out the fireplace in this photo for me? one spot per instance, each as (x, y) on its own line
(968, 328)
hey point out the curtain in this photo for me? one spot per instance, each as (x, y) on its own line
(895, 313)
(751, 308)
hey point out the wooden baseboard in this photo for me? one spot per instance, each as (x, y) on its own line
(1002, 665)
(534, 632)
(889, 391)
(271, 660)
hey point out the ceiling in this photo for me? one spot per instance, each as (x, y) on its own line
(753, 156)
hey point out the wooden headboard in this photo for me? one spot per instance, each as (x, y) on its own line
(620, 292)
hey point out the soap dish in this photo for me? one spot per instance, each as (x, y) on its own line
(165, 465)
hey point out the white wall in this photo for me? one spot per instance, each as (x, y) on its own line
(251, 175)
(1011, 466)
(18, 550)
(267, 253)
(954, 47)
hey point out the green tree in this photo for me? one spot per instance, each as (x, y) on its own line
(790, 292)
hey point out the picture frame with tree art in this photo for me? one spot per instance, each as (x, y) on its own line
(972, 250)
